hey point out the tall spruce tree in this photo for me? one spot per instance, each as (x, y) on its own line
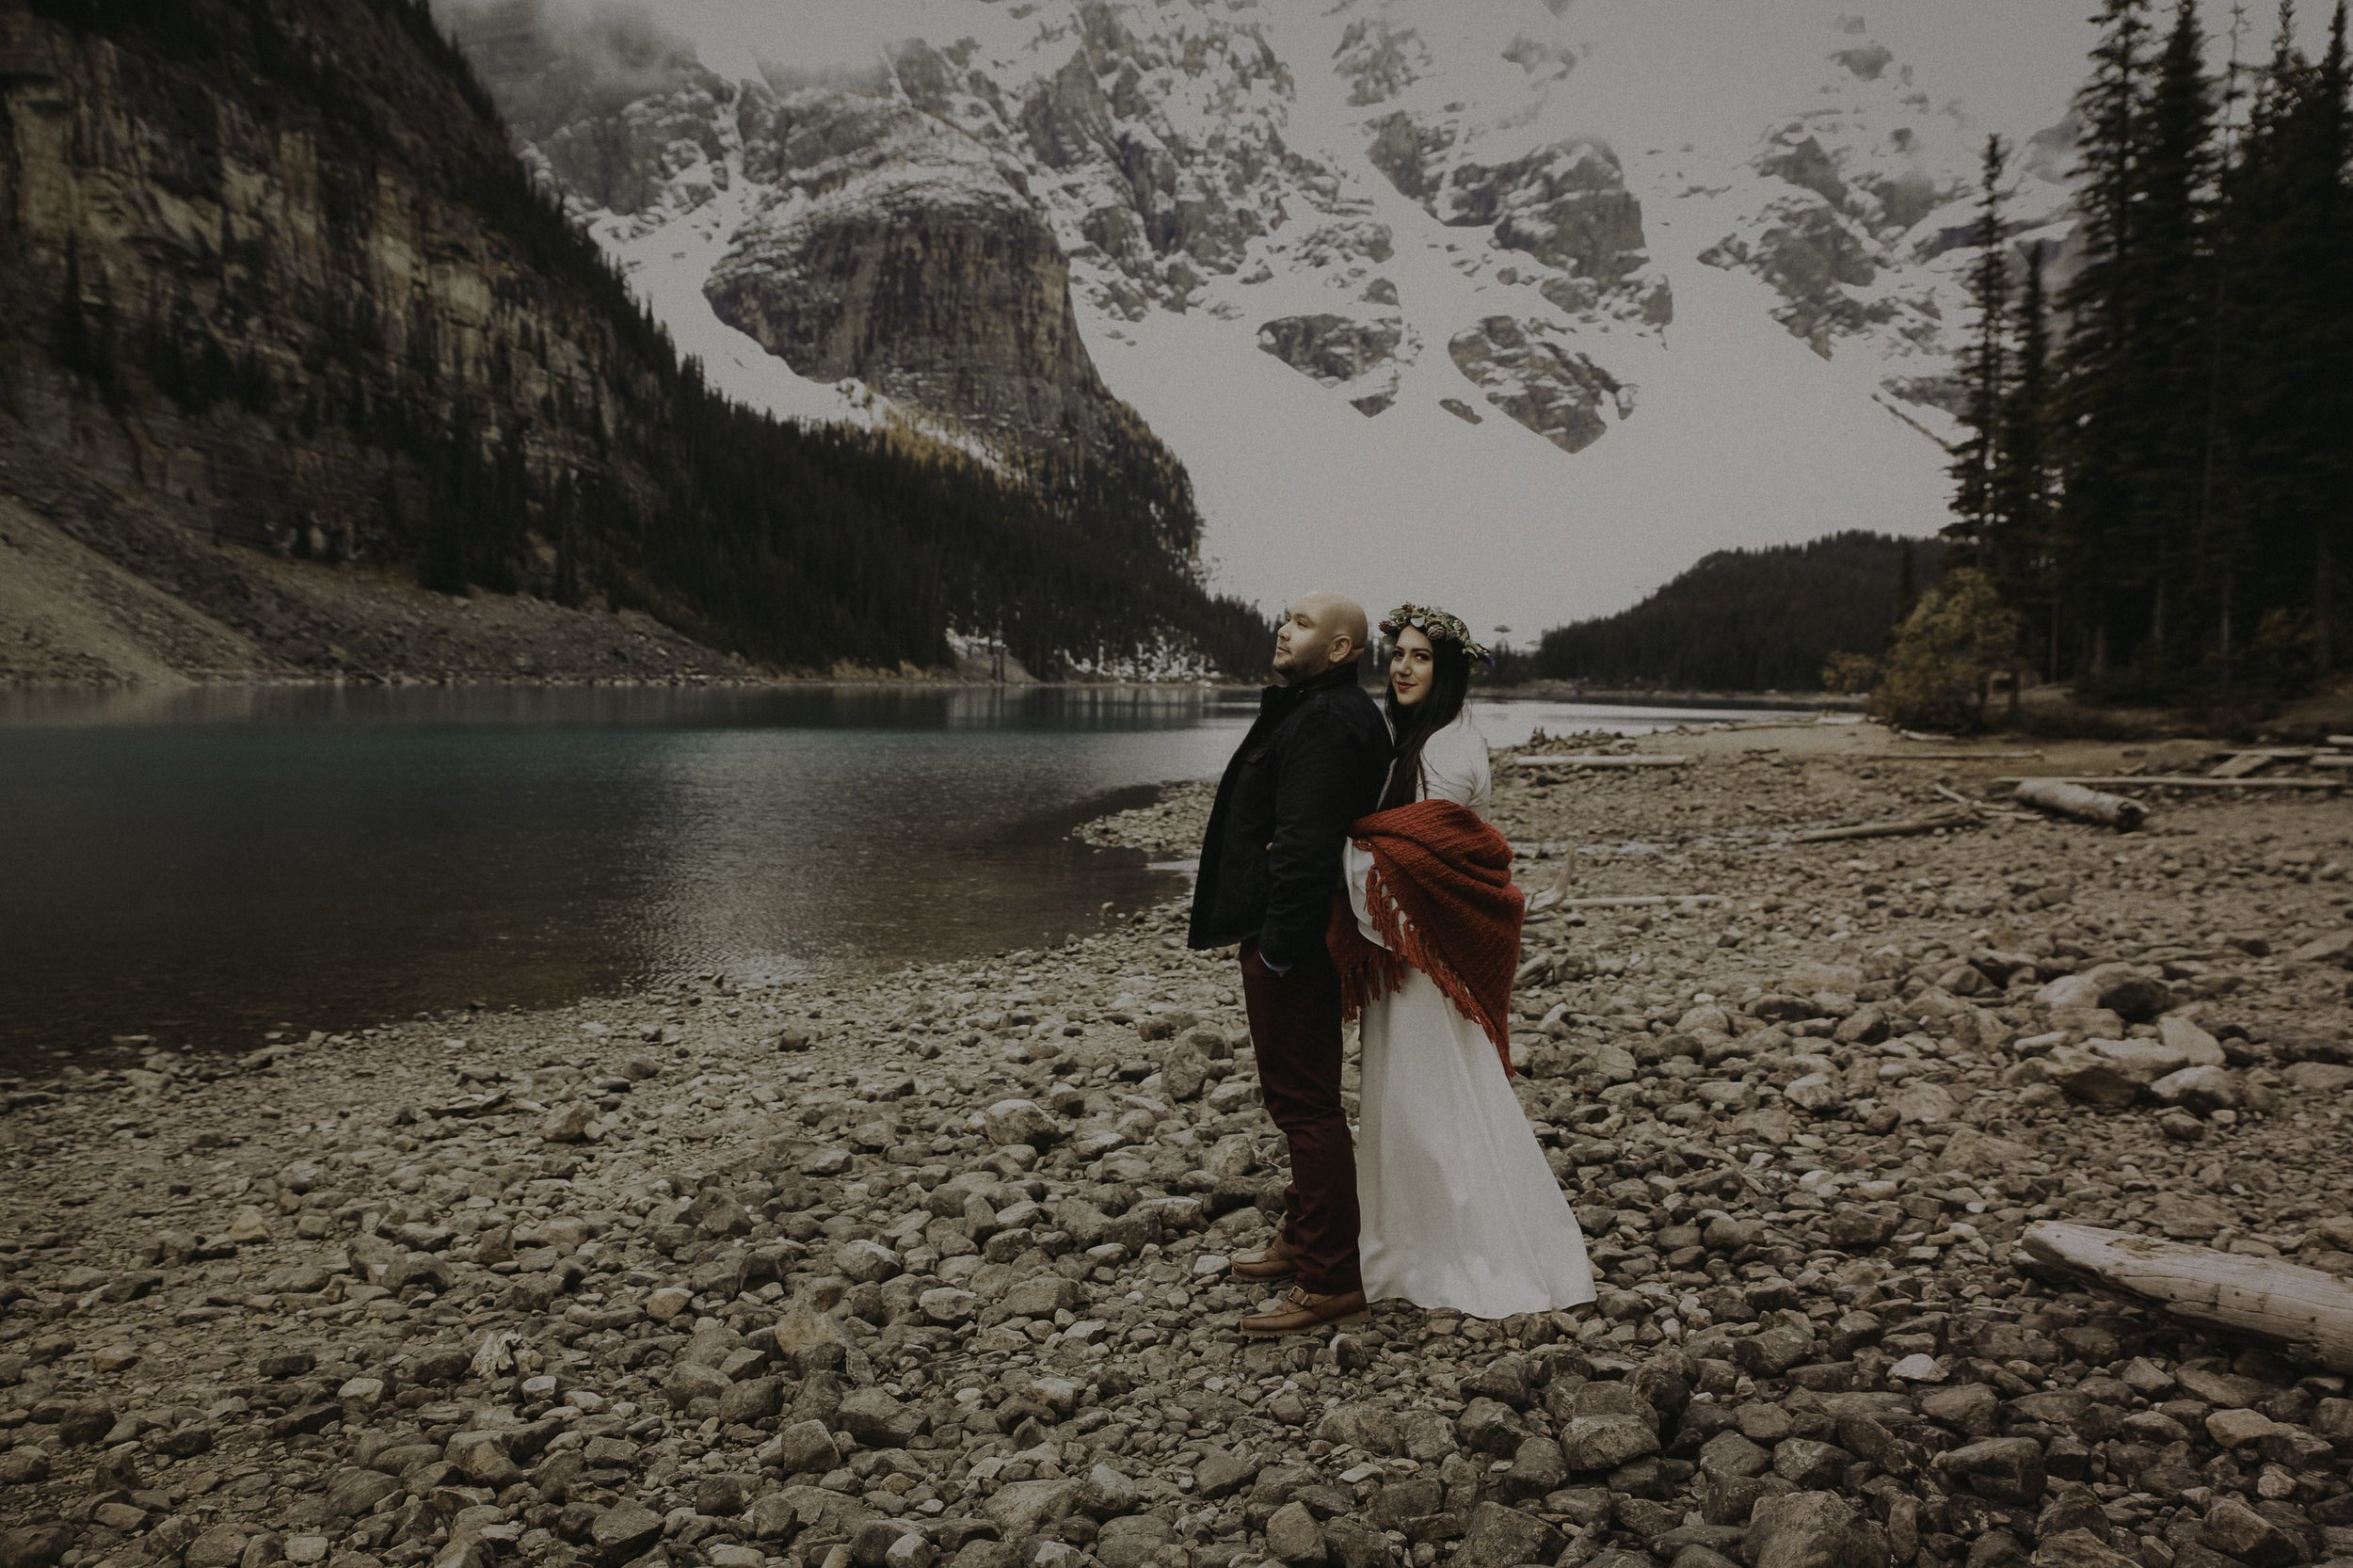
(2095, 401)
(1983, 372)
(2166, 351)
(2325, 162)
(2292, 405)
(2022, 476)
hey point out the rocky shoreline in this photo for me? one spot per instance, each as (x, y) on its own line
(929, 1267)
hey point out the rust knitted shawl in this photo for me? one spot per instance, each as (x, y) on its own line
(1440, 894)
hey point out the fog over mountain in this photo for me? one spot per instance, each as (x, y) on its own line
(1519, 307)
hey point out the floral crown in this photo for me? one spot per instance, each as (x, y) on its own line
(1439, 627)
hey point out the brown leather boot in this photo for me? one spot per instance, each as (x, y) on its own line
(1301, 1310)
(1271, 1262)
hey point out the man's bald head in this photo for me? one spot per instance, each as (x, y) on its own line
(1321, 630)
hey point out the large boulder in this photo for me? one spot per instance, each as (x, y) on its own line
(1812, 1529)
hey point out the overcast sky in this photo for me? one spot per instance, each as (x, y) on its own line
(2013, 63)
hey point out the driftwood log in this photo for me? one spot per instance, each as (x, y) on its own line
(2073, 800)
(1662, 760)
(2307, 1312)
(1641, 901)
(2188, 781)
(1897, 830)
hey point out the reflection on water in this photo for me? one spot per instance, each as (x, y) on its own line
(205, 865)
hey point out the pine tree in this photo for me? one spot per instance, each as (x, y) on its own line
(2328, 161)
(2022, 475)
(2166, 382)
(2094, 394)
(1982, 374)
(2291, 404)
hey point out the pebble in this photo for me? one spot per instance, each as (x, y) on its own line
(948, 1283)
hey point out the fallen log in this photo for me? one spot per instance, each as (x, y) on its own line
(2073, 800)
(2308, 1312)
(1886, 830)
(2180, 781)
(1662, 760)
(1641, 901)
(1943, 756)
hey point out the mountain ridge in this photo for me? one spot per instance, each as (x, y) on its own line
(284, 304)
(1399, 268)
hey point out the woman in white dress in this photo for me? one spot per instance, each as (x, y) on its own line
(1459, 1207)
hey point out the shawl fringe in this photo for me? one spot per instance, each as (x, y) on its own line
(1440, 894)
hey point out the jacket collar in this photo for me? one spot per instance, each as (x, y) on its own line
(1278, 698)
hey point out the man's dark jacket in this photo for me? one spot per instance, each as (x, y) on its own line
(1311, 764)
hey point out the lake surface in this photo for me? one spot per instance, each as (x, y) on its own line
(205, 866)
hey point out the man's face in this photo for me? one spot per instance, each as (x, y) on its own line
(1309, 640)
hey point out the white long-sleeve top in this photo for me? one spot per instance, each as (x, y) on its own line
(1454, 766)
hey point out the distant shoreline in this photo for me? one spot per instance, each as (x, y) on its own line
(1538, 690)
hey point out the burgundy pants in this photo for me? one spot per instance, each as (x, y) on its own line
(1296, 1033)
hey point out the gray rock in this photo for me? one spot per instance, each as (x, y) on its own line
(624, 1530)
(1590, 1443)
(2201, 1089)
(2006, 1469)
(35, 1545)
(879, 1421)
(85, 1423)
(1489, 1426)
(2238, 1531)
(865, 1262)
(1812, 1529)
(1293, 1536)
(803, 1445)
(752, 1401)
(1109, 1493)
(1498, 1537)
(1730, 1454)
(1221, 1473)
(1042, 1296)
(222, 1546)
(2080, 1548)
(354, 1491)
(1019, 1121)
(1022, 1508)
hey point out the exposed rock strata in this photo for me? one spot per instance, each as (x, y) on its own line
(1338, 351)
(892, 247)
(1560, 395)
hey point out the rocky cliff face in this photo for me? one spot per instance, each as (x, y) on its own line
(277, 291)
(890, 247)
(270, 303)
(859, 232)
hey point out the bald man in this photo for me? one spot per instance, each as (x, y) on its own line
(1312, 763)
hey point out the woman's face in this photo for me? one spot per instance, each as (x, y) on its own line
(1411, 666)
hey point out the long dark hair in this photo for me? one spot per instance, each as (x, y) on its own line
(1449, 687)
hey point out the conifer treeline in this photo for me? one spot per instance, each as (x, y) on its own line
(2158, 471)
(798, 545)
(1747, 621)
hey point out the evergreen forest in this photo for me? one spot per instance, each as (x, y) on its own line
(2157, 476)
(1746, 620)
(636, 484)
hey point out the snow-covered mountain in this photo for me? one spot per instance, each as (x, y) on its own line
(1514, 305)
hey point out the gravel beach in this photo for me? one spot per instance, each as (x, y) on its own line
(929, 1268)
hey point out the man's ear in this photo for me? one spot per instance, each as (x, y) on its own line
(1344, 651)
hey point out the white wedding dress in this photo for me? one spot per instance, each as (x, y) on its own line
(1460, 1209)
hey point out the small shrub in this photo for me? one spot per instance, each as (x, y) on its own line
(1946, 655)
